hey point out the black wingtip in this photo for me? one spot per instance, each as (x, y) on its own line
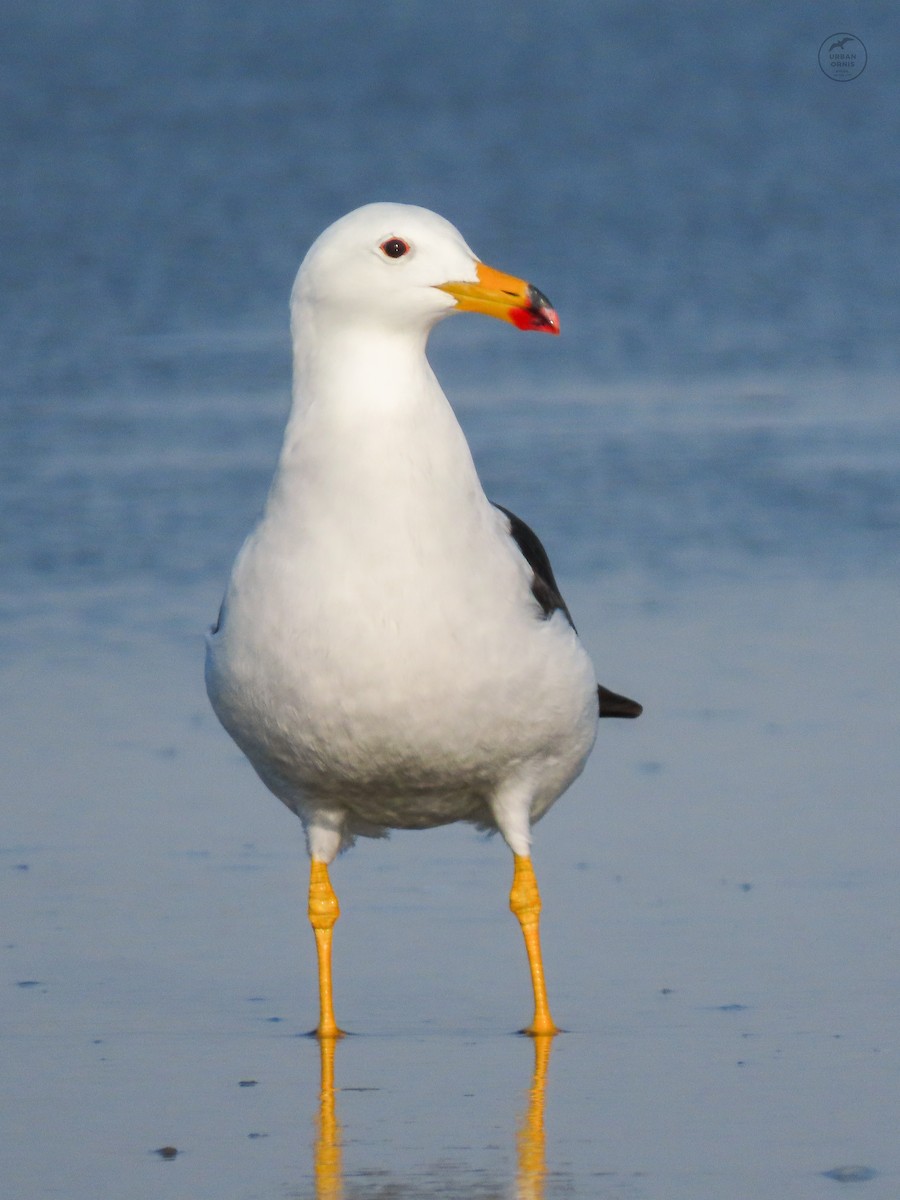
(614, 705)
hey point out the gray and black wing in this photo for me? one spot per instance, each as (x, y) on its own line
(544, 587)
(546, 591)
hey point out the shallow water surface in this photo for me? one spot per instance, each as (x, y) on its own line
(711, 452)
(721, 899)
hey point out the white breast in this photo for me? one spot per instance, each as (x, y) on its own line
(384, 639)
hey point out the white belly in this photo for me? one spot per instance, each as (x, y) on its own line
(407, 704)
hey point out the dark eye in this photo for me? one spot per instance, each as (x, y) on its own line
(395, 247)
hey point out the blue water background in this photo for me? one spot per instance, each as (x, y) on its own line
(711, 452)
(716, 221)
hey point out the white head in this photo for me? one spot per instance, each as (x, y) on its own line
(398, 266)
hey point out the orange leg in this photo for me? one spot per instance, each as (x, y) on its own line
(323, 912)
(525, 902)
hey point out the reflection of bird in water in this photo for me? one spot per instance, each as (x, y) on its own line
(392, 651)
(329, 1173)
(531, 1159)
(841, 44)
(531, 1140)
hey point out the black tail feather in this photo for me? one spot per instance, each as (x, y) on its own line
(613, 705)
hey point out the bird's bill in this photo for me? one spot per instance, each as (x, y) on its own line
(506, 297)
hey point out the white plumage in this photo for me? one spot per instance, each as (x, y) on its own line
(382, 656)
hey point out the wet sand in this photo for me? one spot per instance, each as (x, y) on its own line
(720, 930)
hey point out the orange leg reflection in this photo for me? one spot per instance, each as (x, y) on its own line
(329, 1178)
(531, 1170)
(530, 1139)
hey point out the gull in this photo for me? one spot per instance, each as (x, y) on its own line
(393, 651)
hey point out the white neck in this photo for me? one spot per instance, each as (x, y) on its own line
(372, 444)
(351, 373)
